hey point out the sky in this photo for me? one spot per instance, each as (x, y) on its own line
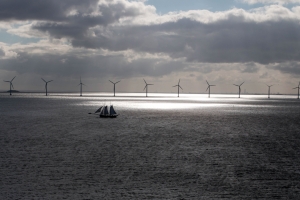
(224, 42)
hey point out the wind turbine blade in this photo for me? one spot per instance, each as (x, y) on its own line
(236, 85)
(207, 88)
(180, 87)
(175, 85)
(150, 84)
(242, 83)
(212, 85)
(117, 82)
(145, 81)
(178, 81)
(145, 87)
(111, 82)
(6, 81)
(44, 80)
(15, 77)
(12, 86)
(50, 81)
(295, 88)
(207, 82)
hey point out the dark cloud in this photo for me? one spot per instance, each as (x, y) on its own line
(94, 66)
(287, 67)
(226, 41)
(53, 10)
(76, 26)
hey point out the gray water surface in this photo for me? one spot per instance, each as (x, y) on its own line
(160, 147)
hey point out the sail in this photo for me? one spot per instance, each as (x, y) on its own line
(98, 109)
(102, 111)
(105, 112)
(112, 111)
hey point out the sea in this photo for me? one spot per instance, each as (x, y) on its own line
(159, 147)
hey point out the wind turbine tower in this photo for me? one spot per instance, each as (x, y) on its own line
(46, 85)
(81, 84)
(146, 87)
(114, 86)
(178, 85)
(10, 85)
(269, 90)
(239, 88)
(208, 88)
(298, 89)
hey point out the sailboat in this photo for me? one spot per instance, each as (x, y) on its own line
(104, 113)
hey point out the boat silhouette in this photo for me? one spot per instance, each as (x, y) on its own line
(104, 112)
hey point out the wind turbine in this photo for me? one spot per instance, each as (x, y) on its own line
(269, 90)
(298, 89)
(81, 84)
(239, 88)
(208, 88)
(10, 85)
(114, 86)
(46, 85)
(178, 87)
(146, 87)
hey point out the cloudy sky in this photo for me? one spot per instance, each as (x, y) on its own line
(225, 42)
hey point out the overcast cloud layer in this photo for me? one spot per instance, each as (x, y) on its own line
(128, 40)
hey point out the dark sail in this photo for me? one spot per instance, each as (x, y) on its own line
(99, 109)
(112, 111)
(105, 111)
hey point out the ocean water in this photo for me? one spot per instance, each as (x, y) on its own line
(159, 147)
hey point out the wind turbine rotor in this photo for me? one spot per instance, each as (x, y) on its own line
(15, 77)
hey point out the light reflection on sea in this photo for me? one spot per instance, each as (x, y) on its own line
(162, 101)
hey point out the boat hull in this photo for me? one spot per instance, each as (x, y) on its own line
(108, 116)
